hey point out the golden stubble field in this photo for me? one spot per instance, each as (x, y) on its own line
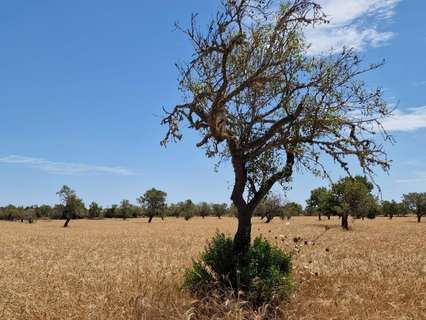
(113, 269)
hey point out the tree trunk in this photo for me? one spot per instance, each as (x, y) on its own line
(67, 222)
(328, 217)
(150, 219)
(269, 218)
(390, 216)
(319, 216)
(345, 224)
(419, 218)
(242, 238)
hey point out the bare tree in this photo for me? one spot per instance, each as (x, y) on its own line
(258, 98)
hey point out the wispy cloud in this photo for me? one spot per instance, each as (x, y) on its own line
(410, 120)
(420, 83)
(421, 178)
(353, 23)
(63, 168)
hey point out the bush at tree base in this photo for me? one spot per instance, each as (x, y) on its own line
(262, 276)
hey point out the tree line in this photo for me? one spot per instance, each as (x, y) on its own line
(347, 197)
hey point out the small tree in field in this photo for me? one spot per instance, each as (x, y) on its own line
(188, 209)
(390, 208)
(353, 195)
(219, 210)
(154, 203)
(95, 210)
(416, 203)
(292, 209)
(258, 98)
(73, 205)
(204, 210)
(271, 207)
(320, 202)
(126, 209)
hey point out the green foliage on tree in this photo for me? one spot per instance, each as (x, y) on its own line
(258, 98)
(354, 197)
(262, 276)
(292, 209)
(73, 205)
(154, 203)
(321, 203)
(95, 211)
(219, 210)
(416, 203)
(204, 210)
(189, 209)
(392, 208)
(126, 209)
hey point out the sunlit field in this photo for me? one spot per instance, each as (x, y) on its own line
(114, 269)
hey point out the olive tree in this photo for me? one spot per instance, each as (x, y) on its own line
(416, 203)
(391, 208)
(204, 210)
(259, 99)
(320, 202)
(353, 196)
(73, 205)
(188, 208)
(219, 209)
(95, 211)
(126, 209)
(292, 209)
(154, 203)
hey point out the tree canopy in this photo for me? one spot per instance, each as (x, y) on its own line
(258, 98)
(416, 203)
(154, 202)
(73, 205)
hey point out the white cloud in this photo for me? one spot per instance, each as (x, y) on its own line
(420, 83)
(63, 168)
(420, 177)
(410, 120)
(353, 23)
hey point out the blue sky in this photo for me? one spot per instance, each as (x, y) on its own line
(82, 84)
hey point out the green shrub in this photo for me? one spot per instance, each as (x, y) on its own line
(262, 276)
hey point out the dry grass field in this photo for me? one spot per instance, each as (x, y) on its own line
(132, 270)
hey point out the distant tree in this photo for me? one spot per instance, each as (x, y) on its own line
(174, 210)
(292, 209)
(126, 209)
(73, 205)
(416, 203)
(57, 212)
(189, 209)
(390, 208)
(354, 197)
(219, 210)
(112, 212)
(271, 207)
(11, 213)
(320, 202)
(204, 210)
(95, 211)
(259, 98)
(154, 203)
(43, 211)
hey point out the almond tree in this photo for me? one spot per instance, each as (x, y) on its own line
(258, 98)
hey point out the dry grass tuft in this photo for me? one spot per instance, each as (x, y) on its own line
(132, 270)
